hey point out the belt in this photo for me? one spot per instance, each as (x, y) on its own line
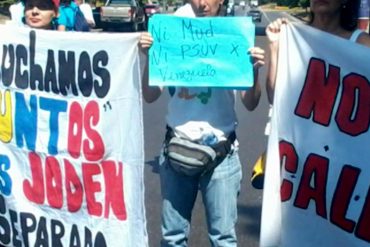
(221, 148)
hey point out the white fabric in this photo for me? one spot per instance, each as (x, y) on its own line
(194, 112)
(185, 11)
(330, 178)
(17, 13)
(88, 14)
(87, 154)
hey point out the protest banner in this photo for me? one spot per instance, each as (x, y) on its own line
(71, 131)
(317, 179)
(201, 52)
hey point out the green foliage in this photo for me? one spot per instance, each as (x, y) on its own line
(304, 3)
(262, 2)
(99, 3)
(282, 2)
(170, 2)
(4, 3)
(4, 6)
(288, 3)
(293, 3)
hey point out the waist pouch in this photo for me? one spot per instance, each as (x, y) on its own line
(191, 158)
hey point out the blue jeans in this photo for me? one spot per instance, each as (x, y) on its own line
(219, 189)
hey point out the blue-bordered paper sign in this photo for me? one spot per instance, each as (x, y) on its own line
(201, 52)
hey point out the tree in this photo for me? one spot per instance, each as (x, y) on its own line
(4, 6)
(304, 4)
(282, 2)
(265, 1)
(293, 3)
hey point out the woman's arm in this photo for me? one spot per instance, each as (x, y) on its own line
(150, 93)
(271, 71)
(273, 32)
(251, 97)
(62, 20)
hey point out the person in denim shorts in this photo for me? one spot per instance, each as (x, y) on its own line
(194, 114)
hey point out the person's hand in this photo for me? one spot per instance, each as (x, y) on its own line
(146, 41)
(258, 56)
(273, 29)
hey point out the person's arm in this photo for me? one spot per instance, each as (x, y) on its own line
(62, 21)
(150, 93)
(271, 70)
(251, 97)
(61, 28)
(364, 39)
(273, 32)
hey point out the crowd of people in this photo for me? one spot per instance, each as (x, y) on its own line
(190, 119)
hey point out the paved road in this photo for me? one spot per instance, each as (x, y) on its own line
(252, 142)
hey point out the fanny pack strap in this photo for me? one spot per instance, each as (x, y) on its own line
(221, 148)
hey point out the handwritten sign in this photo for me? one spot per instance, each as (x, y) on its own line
(199, 52)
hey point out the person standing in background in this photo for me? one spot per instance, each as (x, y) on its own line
(363, 15)
(67, 13)
(87, 12)
(17, 13)
(331, 16)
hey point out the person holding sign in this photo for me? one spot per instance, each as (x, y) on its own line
(319, 87)
(200, 150)
(41, 14)
(332, 16)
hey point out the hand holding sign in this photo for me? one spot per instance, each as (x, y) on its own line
(199, 52)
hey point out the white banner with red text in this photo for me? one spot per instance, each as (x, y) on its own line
(71, 139)
(316, 190)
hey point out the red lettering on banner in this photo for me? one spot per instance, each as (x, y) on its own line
(91, 187)
(74, 188)
(53, 177)
(75, 130)
(315, 171)
(319, 95)
(289, 161)
(114, 197)
(353, 115)
(35, 193)
(92, 117)
(105, 178)
(83, 121)
(312, 186)
(363, 226)
(319, 92)
(342, 198)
